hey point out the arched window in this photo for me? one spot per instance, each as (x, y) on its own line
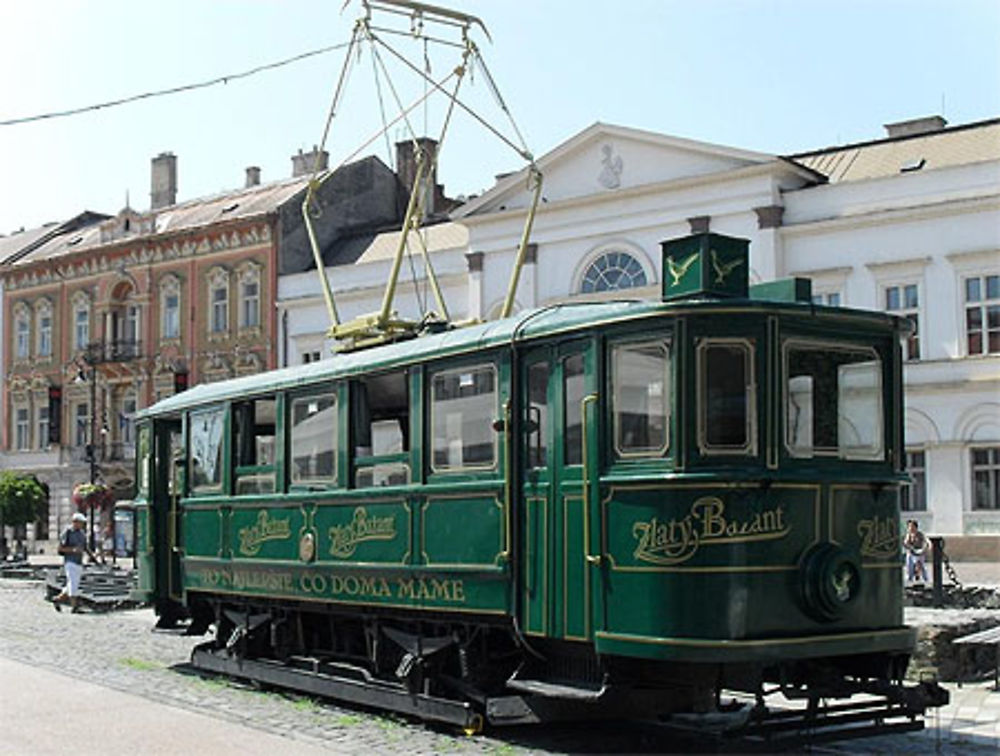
(612, 270)
(170, 307)
(249, 278)
(22, 331)
(81, 320)
(43, 328)
(218, 301)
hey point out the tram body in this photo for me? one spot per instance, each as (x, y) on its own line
(631, 502)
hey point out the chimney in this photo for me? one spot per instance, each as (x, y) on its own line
(253, 176)
(304, 163)
(163, 183)
(406, 170)
(924, 125)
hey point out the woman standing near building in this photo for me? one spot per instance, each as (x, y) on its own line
(915, 543)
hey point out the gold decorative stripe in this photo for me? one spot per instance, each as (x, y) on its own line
(685, 570)
(762, 643)
(327, 600)
(371, 566)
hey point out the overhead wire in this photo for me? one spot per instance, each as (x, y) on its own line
(225, 79)
(520, 150)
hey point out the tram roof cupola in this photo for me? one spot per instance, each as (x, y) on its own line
(706, 265)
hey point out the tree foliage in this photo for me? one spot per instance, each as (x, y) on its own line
(22, 498)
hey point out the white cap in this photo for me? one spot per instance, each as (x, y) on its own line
(79, 517)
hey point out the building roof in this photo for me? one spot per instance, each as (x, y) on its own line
(203, 211)
(438, 237)
(230, 205)
(363, 246)
(959, 145)
(24, 243)
(11, 245)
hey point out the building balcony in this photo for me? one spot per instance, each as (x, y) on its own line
(118, 350)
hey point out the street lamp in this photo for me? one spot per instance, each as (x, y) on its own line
(91, 448)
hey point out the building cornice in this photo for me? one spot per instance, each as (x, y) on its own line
(888, 266)
(941, 209)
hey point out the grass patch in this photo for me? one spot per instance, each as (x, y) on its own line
(212, 683)
(349, 720)
(143, 665)
(305, 704)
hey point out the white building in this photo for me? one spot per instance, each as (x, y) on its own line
(909, 223)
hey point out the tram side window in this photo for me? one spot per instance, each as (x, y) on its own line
(463, 408)
(726, 415)
(641, 375)
(833, 401)
(381, 430)
(538, 415)
(144, 459)
(314, 439)
(205, 455)
(573, 392)
(253, 435)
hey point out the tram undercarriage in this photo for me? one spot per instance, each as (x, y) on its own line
(474, 673)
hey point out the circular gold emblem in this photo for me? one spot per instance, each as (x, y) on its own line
(307, 547)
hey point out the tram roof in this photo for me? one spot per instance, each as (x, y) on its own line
(564, 317)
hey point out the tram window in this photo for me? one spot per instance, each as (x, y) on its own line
(144, 460)
(314, 439)
(253, 431)
(641, 375)
(381, 429)
(573, 409)
(726, 411)
(538, 414)
(463, 408)
(833, 401)
(205, 461)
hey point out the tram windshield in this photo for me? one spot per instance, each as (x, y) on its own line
(833, 401)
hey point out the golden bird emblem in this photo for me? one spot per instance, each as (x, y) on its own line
(723, 270)
(677, 271)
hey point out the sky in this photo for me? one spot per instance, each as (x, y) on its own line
(775, 76)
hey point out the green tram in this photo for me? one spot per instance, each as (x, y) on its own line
(625, 506)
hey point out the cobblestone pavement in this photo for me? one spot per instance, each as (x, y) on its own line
(119, 651)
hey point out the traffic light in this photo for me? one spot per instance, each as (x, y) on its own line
(180, 381)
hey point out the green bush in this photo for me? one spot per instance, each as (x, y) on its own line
(22, 498)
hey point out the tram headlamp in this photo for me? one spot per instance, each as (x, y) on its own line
(829, 582)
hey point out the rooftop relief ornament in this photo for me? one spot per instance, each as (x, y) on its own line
(611, 173)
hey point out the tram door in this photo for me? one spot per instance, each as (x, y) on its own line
(165, 514)
(559, 585)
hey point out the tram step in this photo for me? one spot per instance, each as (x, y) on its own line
(556, 690)
(368, 693)
(788, 729)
